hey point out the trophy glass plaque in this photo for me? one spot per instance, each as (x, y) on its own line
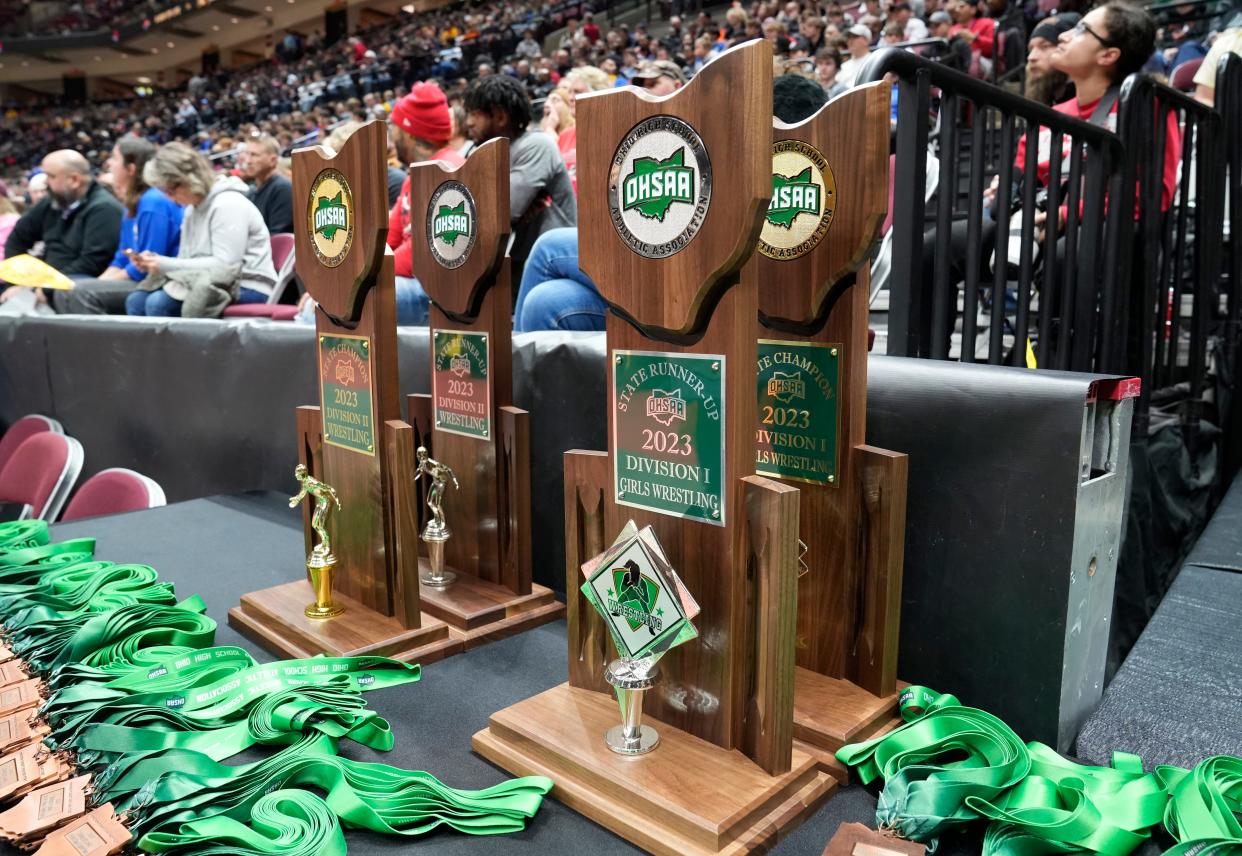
(647, 611)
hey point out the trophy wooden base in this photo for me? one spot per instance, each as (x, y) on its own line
(275, 619)
(687, 797)
(830, 713)
(477, 611)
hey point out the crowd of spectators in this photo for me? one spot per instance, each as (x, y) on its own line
(25, 18)
(453, 78)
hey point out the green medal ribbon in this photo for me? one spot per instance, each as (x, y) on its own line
(1063, 807)
(282, 823)
(281, 717)
(950, 765)
(178, 787)
(85, 587)
(20, 534)
(149, 667)
(41, 552)
(931, 765)
(219, 687)
(138, 691)
(96, 638)
(1205, 805)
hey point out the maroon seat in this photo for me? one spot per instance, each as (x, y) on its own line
(1183, 77)
(22, 429)
(275, 311)
(112, 492)
(282, 260)
(41, 474)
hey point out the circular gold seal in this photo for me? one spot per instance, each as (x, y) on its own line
(330, 217)
(804, 197)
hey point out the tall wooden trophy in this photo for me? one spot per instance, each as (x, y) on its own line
(354, 442)
(672, 195)
(477, 576)
(829, 175)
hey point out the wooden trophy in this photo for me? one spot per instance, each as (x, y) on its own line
(672, 195)
(355, 441)
(484, 591)
(829, 175)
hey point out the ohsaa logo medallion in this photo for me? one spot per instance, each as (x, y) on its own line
(666, 407)
(804, 197)
(460, 365)
(452, 222)
(330, 217)
(659, 186)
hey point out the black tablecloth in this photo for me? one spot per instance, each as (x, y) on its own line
(223, 547)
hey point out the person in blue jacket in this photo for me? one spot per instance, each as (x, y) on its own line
(152, 222)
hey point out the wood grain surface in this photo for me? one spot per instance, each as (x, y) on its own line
(675, 296)
(459, 291)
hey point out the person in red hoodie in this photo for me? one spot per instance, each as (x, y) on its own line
(979, 32)
(421, 127)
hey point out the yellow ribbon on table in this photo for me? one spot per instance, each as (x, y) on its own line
(31, 272)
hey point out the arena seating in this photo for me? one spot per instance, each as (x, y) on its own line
(23, 429)
(41, 474)
(114, 491)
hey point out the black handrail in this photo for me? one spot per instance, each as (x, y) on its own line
(1229, 106)
(1074, 328)
(1189, 229)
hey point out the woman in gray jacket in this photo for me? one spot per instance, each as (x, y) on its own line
(226, 252)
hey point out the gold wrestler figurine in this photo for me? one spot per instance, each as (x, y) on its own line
(320, 564)
(325, 496)
(436, 532)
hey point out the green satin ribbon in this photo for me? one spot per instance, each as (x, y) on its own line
(1202, 814)
(138, 692)
(160, 667)
(85, 587)
(279, 718)
(96, 638)
(162, 791)
(20, 534)
(213, 691)
(944, 754)
(282, 823)
(950, 765)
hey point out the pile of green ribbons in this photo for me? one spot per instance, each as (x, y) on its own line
(949, 766)
(136, 696)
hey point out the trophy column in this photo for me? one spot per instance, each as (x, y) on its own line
(364, 580)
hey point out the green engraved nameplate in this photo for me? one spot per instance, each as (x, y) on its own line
(798, 413)
(461, 391)
(345, 390)
(668, 433)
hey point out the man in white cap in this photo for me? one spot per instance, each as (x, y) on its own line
(858, 43)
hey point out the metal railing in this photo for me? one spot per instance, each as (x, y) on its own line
(1060, 307)
(1172, 304)
(1229, 106)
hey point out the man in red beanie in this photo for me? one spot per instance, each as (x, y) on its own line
(420, 127)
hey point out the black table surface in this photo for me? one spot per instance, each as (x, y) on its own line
(223, 547)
